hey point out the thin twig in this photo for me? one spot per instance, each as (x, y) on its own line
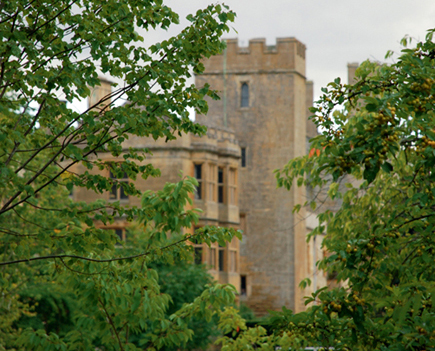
(111, 323)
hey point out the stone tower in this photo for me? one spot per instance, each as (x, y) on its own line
(264, 100)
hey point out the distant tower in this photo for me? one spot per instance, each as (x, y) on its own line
(351, 71)
(264, 100)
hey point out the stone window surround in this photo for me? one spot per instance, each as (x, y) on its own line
(209, 183)
(117, 192)
(244, 95)
(218, 258)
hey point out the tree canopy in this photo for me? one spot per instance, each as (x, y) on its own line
(52, 52)
(376, 153)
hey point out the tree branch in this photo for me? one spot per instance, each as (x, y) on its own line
(39, 258)
(63, 209)
(54, 17)
(111, 323)
(14, 233)
(73, 270)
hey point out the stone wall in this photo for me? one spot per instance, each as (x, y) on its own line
(272, 129)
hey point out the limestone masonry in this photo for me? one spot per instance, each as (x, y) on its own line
(271, 127)
(258, 125)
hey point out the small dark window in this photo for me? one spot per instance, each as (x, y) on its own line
(123, 195)
(220, 185)
(198, 176)
(243, 159)
(243, 285)
(198, 172)
(198, 255)
(120, 233)
(118, 192)
(245, 95)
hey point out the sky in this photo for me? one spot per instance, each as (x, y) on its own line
(335, 32)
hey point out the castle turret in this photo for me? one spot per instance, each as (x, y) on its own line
(263, 93)
(351, 71)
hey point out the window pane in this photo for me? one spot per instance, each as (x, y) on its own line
(245, 95)
(113, 193)
(220, 185)
(220, 175)
(119, 233)
(198, 176)
(117, 192)
(243, 155)
(221, 194)
(198, 172)
(221, 260)
(198, 192)
(123, 194)
(198, 255)
(243, 285)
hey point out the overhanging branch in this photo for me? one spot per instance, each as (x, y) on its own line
(39, 258)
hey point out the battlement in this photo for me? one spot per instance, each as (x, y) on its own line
(288, 55)
(283, 46)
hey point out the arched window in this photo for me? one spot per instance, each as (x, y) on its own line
(245, 95)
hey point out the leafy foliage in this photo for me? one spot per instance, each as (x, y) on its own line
(53, 51)
(55, 307)
(184, 282)
(376, 153)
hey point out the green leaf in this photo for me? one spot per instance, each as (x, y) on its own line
(387, 167)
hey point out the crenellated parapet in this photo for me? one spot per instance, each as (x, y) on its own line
(288, 55)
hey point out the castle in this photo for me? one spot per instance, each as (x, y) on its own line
(258, 125)
(264, 99)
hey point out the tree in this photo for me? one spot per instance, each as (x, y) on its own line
(184, 282)
(51, 52)
(56, 309)
(376, 152)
